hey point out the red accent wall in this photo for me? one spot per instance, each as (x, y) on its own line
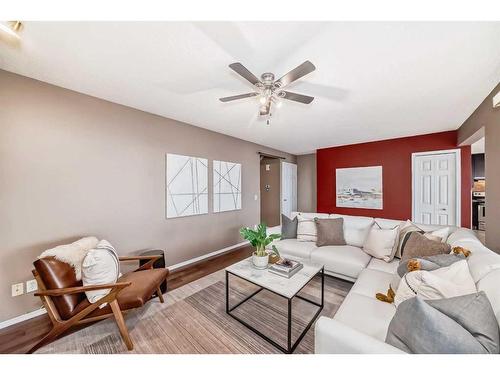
(394, 155)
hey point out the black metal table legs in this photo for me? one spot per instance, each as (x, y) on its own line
(290, 346)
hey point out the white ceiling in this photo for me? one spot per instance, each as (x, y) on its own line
(373, 80)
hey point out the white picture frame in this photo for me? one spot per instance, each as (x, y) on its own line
(360, 187)
(186, 186)
(227, 189)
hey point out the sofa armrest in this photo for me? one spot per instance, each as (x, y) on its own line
(333, 337)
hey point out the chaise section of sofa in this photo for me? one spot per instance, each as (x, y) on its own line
(361, 322)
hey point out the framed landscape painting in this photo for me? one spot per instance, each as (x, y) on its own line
(359, 187)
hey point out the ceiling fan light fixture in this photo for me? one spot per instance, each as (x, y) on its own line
(11, 28)
(262, 100)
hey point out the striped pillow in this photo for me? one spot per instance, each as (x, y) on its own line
(306, 230)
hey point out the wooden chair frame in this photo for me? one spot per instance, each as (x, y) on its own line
(60, 325)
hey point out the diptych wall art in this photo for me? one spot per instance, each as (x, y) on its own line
(359, 187)
(226, 186)
(187, 186)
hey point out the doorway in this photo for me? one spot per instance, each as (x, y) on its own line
(288, 188)
(270, 186)
(436, 189)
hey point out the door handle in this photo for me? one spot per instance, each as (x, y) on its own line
(442, 209)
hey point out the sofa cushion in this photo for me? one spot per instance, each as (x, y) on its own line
(295, 248)
(309, 215)
(381, 265)
(482, 261)
(345, 260)
(489, 284)
(366, 314)
(356, 228)
(371, 282)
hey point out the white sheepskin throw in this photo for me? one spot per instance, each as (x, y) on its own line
(73, 253)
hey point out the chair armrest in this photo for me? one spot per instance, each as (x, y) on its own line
(80, 289)
(333, 337)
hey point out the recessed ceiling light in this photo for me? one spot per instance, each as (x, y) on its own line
(11, 28)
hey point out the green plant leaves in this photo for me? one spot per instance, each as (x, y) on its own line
(258, 237)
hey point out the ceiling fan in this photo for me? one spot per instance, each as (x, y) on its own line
(271, 90)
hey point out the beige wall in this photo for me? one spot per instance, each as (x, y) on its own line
(486, 120)
(306, 183)
(72, 165)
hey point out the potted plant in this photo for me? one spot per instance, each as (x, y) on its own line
(259, 239)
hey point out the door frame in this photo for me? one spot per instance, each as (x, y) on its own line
(458, 185)
(281, 185)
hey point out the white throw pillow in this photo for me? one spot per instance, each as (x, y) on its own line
(442, 234)
(306, 229)
(73, 253)
(380, 242)
(445, 282)
(100, 266)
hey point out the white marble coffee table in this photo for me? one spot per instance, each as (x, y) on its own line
(281, 286)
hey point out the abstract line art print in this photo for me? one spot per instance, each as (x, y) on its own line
(187, 186)
(226, 186)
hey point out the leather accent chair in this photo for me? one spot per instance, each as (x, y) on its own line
(67, 305)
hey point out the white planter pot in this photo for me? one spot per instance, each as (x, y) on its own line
(260, 262)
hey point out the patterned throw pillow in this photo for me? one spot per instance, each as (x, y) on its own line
(306, 230)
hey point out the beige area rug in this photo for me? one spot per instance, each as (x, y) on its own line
(193, 320)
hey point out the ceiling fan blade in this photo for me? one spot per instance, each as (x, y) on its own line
(244, 72)
(236, 97)
(293, 75)
(264, 110)
(298, 97)
(326, 91)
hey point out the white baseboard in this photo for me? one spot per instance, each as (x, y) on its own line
(41, 311)
(22, 318)
(209, 255)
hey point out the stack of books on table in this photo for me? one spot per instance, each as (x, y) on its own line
(285, 267)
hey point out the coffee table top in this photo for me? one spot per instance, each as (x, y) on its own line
(281, 285)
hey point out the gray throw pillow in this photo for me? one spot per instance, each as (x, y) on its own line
(330, 232)
(458, 325)
(288, 227)
(431, 263)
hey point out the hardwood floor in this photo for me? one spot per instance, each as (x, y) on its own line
(20, 337)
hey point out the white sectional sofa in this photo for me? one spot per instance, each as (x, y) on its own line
(360, 324)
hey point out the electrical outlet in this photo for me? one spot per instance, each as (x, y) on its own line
(31, 286)
(17, 289)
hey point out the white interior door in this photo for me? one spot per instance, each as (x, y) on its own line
(436, 192)
(288, 188)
